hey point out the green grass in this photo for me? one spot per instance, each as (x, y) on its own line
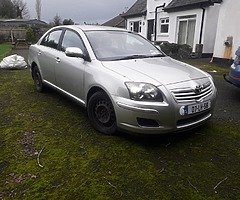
(80, 163)
(4, 50)
(206, 65)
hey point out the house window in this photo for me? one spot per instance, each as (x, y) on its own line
(164, 25)
(136, 26)
(186, 30)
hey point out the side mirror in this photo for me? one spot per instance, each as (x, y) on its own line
(74, 52)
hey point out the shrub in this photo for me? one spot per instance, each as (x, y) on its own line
(176, 50)
(30, 36)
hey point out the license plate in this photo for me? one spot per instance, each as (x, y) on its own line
(192, 109)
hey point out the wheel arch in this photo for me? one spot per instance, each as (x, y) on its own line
(95, 89)
(34, 64)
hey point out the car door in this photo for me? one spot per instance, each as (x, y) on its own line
(69, 70)
(48, 54)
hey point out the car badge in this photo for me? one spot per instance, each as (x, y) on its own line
(198, 89)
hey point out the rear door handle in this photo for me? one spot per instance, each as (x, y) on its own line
(58, 60)
(39, 53)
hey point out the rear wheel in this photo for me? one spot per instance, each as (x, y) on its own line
(37, 78)
(101, 113)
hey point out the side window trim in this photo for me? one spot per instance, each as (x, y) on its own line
(60, 38)
(85, 51)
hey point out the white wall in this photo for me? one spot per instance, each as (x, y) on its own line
(173, 29)
(210, 28)
(152, 4)
(228, 25)
(144, 24)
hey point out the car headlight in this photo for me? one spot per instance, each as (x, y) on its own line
(144, 92)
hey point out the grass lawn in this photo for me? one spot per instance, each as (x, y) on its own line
(48, 150)
(4, 50)
(213, 68)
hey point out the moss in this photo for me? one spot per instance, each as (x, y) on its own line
(80, 163)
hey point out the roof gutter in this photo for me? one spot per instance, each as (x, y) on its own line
(155, 28)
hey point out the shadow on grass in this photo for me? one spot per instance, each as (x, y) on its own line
(156, 140)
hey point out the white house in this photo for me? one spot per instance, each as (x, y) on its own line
(228, 30)
(136, 17)
(189, 22)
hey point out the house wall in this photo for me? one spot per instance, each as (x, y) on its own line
(173, 28)
(152, 4)
(228, 26)
(210, 28)
(144, 24)
(151, 8)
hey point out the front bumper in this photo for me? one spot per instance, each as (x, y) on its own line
(234, 75)
(232, 80)
(157, 117)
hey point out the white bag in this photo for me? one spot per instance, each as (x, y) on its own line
(13, 62)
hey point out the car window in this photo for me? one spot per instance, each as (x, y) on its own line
(119, 45)
(72, 39)
(52, 39)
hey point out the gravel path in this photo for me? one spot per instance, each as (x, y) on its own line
(228, 102)
(22, 51)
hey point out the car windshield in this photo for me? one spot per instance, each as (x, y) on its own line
(121, 45)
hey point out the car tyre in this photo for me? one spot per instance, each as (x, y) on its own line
(101, 113)
(37, 78)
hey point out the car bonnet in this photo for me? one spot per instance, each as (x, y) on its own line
(160, 71)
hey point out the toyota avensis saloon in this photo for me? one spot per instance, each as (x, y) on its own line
(123, 80)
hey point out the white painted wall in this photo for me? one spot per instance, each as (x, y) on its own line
(152, 4)
(173, 29)
(228, 25)
(144, 24)
(210, 28)
(151, 7)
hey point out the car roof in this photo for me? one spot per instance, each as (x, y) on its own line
(94, 28)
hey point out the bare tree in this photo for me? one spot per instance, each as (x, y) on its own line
(38, 7)
(6, 9)
(57, 21)
(21, 9)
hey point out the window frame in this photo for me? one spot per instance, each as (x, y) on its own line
(164, 24)
(48, 34)
(140, 24)
(85, 51)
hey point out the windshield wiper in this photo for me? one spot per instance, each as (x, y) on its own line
(131, 57)
(139, 56)
(156, 55)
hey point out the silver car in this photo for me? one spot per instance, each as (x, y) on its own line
(123, 80)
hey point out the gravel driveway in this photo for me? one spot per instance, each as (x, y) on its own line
(228, 102)
(21, 51)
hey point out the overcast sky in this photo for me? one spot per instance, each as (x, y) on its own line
(80, 10)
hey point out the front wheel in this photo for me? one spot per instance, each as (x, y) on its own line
(101, 113)
(37, 78)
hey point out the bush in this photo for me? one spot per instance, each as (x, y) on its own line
(30, 36)
(176, 50)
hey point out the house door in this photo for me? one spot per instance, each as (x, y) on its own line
(150, 29)
(186, 31)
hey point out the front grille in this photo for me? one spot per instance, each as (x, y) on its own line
(185, 95)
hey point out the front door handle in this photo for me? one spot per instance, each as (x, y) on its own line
(39, 53)
(58, 60)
